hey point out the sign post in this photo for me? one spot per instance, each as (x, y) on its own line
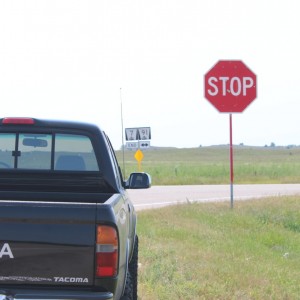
(231, 161)
(230, 86)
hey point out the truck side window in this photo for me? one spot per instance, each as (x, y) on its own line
(115, 165)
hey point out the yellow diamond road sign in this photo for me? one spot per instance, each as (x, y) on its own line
(139, 155)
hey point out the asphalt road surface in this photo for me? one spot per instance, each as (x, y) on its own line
(159, 196)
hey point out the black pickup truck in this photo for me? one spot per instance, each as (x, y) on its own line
(67, 226)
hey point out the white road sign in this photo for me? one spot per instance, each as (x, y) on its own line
(131, 134)
(144, 144)
(144, 133)
(138, 133)
(132, 145)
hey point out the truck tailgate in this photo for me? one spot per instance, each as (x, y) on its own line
(47, 243)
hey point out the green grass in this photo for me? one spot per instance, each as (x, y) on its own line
(209, 251)
(210, 165)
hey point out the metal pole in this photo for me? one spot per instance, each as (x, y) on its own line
(231, 162)
(123, 147)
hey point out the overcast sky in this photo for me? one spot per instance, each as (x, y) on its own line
(76, 60)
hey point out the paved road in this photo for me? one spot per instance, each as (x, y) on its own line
(158, 196)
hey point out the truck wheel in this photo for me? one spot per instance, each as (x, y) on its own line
(130, 292)
(133, 268)
(128, 289)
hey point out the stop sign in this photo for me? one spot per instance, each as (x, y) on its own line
(230, 86)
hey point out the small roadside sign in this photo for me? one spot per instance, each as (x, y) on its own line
(139, 155)
(132, 145)
(138, 133)
(144, 144)
(144, 133)
(131, 134)
(138, 138)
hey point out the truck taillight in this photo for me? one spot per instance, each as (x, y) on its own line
(16, 121)
(107, 251)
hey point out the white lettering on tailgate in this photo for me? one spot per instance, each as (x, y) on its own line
(71, 279)
(6, 251)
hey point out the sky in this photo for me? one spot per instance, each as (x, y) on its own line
(80, 60)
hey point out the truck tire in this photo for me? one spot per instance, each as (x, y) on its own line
(128, 288)
(130, 292)
(133, 268)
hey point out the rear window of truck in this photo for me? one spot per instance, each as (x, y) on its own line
(54, 151)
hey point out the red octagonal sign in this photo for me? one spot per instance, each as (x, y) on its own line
(230, 86)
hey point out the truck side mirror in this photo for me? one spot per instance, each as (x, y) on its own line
(138, 181)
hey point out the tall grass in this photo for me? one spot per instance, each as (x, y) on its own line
(208, 251)
(210, 165)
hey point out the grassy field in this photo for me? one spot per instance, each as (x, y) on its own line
(208, 251)
(210, 165)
